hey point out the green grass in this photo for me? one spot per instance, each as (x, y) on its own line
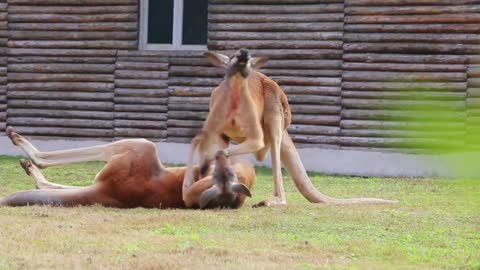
(436, 225)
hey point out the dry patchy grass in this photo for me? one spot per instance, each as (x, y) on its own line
(435, 225)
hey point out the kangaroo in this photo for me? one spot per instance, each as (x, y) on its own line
(251, 109)
(132, 177)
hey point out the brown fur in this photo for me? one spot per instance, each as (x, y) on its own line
(132, 177)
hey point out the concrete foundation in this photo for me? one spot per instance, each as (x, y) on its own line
(328, 161)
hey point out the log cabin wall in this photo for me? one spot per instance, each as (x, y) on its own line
(355, 71)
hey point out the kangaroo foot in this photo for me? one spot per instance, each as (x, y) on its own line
(275, 201)
(14, 137)
(27, 166)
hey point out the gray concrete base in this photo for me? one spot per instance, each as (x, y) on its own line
(328, 161)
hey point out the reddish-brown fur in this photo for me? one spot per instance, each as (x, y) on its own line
(132, 177)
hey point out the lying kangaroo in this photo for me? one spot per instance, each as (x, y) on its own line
(132, 177)
(252, 110)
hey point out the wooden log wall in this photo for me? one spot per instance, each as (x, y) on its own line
(3, 64)
(356, 71)
(304, 42)
(141, 94)
(406, 61)
(61, 63)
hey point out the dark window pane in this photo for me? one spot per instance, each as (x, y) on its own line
(194, 22)
(160, 21)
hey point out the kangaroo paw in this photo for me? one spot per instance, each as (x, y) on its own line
(275, 201)
(12, 135)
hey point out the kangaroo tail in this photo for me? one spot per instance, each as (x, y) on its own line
(292, 162)
(53, 197)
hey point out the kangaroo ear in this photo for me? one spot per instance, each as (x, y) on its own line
(217, 59)
(258, 62)
(208, 195)
(241, 189)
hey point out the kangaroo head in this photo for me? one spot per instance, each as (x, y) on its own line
(241, 62)
(226, 188)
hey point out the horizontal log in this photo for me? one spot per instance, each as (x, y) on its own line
(408, 2)
(141, 74)
(442, 18)
(315, 139)
(58, 60)
(408, 125)
(144, 59)
(61, 104)
(404, 67)
(190, 91)
(387, 133)
(275, 9)
(275, 1)
(187, 81)
(131, 83)
(409, 95)
(182, 132)
(62, 86)
(304, 64)
(405, 58)
(413, 28)
(412, 143)
(407, 37)
(402, 104)
(186, 115)
(72, 3)
(41, 77)
(473, 103)
(61, 68)
(402, 115)
(55, 35)
(399, 86)
(196, 71)
(140, 101)
(14, 9)
(314, 99)
(473, 92)
(280, 27)
(3, 107)
(311, 90)
(63, 113)
(308, 119)
(274, 44)
(189, 100)
(473, 71)
(140, 133)
(184, 123)
(85, 44)
(71, 18)
(139, 124)
(177, 61)
(72, 95)
(404, 76)
(141, 116)
(140, 108)
(474, 82)
(146, 93)
(474, 59)
(188, 107)
(59, 122)
(325, 81)
(295, 54)
(427, 48)
(22, 52)
(313, 130)
(3, 99)
(184, 140)
(141, 66)
(227, 35)
(92, 27)
(302, 72)
(143, 53)
(3, 116)
(273, 18)
(411, 10)
(64, 131)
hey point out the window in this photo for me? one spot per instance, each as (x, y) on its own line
(173, 24)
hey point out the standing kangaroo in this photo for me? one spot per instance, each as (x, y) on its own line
(252, 110)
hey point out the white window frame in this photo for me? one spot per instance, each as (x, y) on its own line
(177, 31)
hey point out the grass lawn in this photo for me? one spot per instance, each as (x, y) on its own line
(436, 225)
